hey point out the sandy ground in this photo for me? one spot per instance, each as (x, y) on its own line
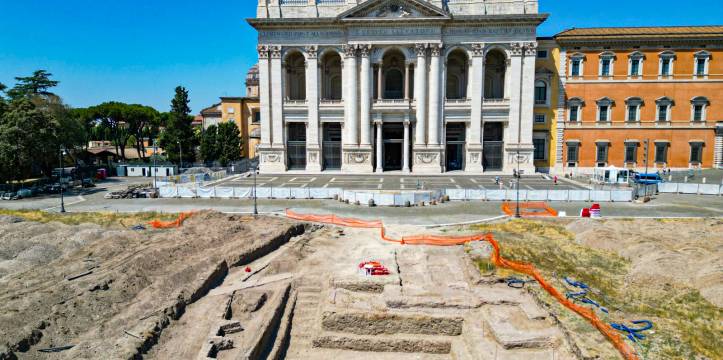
(685, 252)
(129, 285)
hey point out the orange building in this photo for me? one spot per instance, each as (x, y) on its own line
(632, 89)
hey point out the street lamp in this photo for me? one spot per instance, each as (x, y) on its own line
(60, 181)
(256, 210)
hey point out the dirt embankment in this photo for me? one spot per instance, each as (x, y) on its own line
(110, 292)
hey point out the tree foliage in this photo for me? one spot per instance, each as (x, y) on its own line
(121, 123)
(229, 143)
(209, 150)
(29, 140)
(37, 84)
(178, 134)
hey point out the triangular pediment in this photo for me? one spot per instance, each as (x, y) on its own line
(394, 9)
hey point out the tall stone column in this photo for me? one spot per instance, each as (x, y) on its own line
(351, 102)
(420, 93)
(277, 98)
(434, 94)
(473, 161)
(380, 82)
(355, 159)
(272, 152)
(313, 146)
(405, 148)
(428, 159)
(264, 96)
(379, 144)
(366, 96)
(518, 149)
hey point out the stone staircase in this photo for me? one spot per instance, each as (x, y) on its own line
(305, 321)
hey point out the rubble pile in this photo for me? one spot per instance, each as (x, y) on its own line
(134, 192)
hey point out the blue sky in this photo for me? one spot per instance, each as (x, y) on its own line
(137, 51)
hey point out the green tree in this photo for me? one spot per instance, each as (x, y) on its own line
(28, 140)
(178, 134)
(229, 143)
(125, 124)
(37, 84)
(209, 144)
(2, 100)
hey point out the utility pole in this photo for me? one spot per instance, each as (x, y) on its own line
(60, 180)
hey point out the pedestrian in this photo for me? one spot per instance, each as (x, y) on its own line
(555, 178)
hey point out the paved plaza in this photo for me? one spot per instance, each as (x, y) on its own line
(399, 182)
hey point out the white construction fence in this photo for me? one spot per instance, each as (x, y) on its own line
(392, 198)
(688, 188)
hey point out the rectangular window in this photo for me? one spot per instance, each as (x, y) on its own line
(572, 153)
(665, 67)
(661, 153)
(604, 110)
(697, 112)
(602, 153)
(696, 153)
(663, 113)
(575, 71)
(542, 54)
(540, 118)
(633, 113)
(635, 67)
(700, 67)
(605, 67)
(540, 148)
(540, 95)
(631, 153)
(574, 113)
(257, 117)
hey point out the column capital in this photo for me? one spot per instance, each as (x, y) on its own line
(436, 49)
(263, 51)
(365, 50)
(275, 52)
(530, 48)
(421, 49)
(516, 49)
(311, 51)
(349, 51)
(478, 50)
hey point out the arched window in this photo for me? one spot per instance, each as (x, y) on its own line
(457, 70)
(495, 71)
(393, 71)
(540, 92)
(295, 76)
(331, 86)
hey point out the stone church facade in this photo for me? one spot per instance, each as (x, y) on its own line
(408, 86)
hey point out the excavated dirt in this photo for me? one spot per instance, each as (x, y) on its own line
(110, 293)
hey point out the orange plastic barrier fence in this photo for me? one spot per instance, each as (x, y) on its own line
(157, 224)
(587, 313)
(527, 269)
(529, 209)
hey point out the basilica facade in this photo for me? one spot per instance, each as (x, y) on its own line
(408, 86)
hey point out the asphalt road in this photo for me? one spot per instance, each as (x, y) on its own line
(664, 205)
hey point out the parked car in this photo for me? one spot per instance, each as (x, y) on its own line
(648, 179)
(54, 188)
(10, 196)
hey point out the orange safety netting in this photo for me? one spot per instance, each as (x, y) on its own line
(157, 224)
(529, 209)
(497, 259)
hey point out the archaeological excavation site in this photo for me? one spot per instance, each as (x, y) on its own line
(219, 286)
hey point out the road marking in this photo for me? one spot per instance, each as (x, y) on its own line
(292, 179)
(529, 187)
(379, 187)
(381, 180)
(473, 180)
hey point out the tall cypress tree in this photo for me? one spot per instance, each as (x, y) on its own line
(178, 135)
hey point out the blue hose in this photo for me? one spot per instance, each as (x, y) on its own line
(516, 283)
(577, 284)
(582, 295)
(632, 333)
